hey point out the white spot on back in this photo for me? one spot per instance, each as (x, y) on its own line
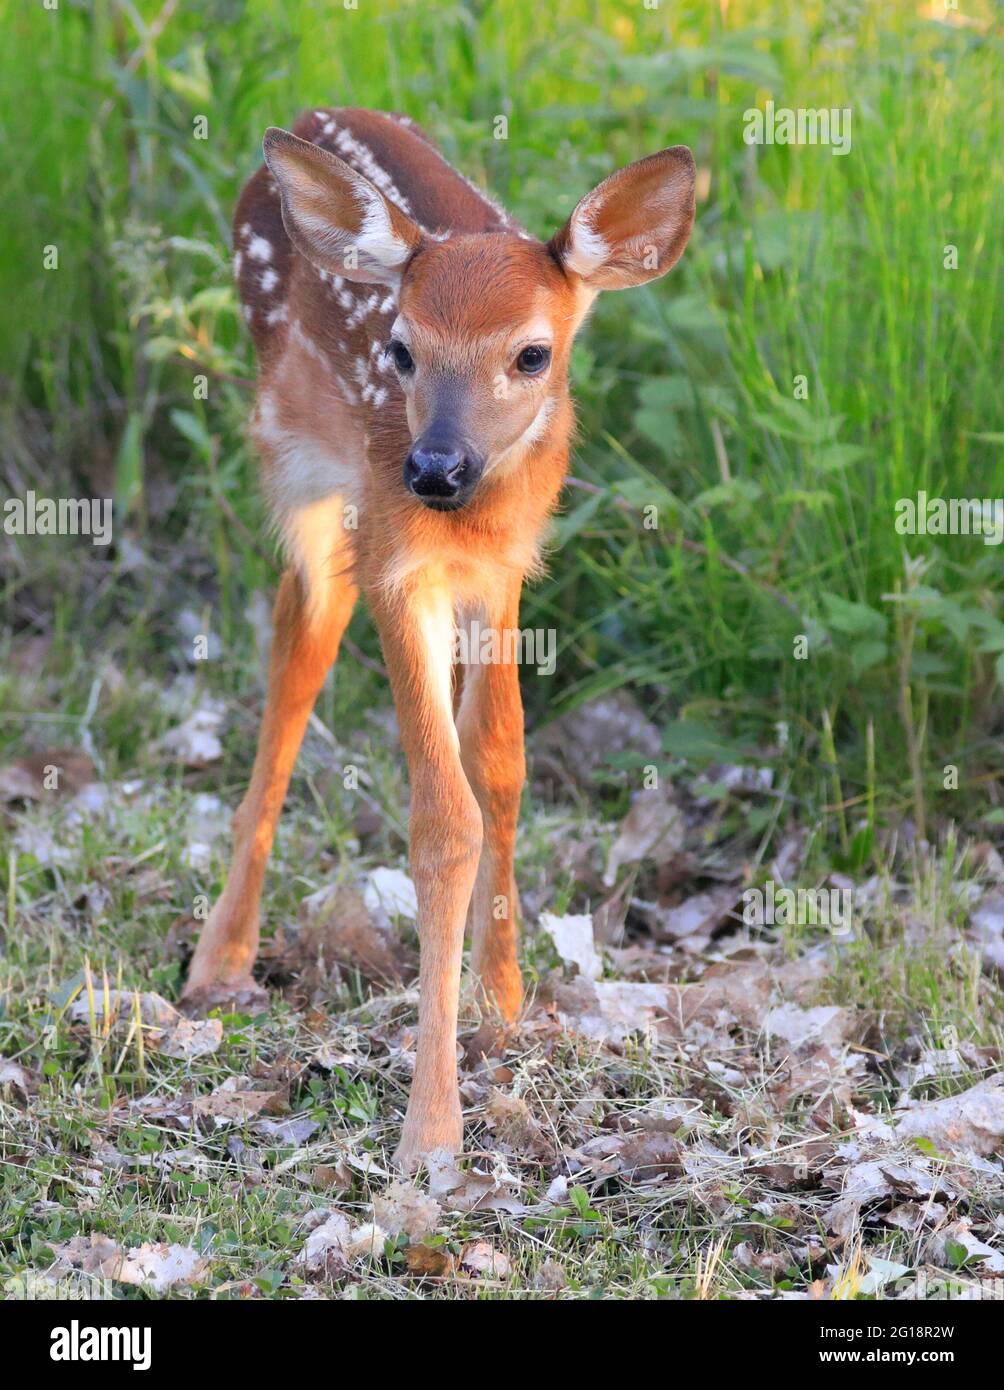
(361, 157)
(309, 346)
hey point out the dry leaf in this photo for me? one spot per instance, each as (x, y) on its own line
(338, 927)
(188, 1037)
(65, 769)
(429, 1261)
(164, 1028)
(971, 1121)
(509, 1117)
(157, 1267)
(650, 1154)
(390, 893)
(574, 943)
(162, 1267)
(473, 1190)
(980, 1258)
(652, 829)
(826, 1025)
(874, 1180)
(910, 1216)
(196, 742)
(695, 917)
(233, 1103)
(328, 1241)
(296, 1130)
(366, 1242)
(328, 1175)
(610, 1010)
(578, 745)
(404, 1207)
(333, 1243)
(13, 1074)
(479, 1258)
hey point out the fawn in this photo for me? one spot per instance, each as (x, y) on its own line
(413, 421)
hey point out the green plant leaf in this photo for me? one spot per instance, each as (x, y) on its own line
(853, 619)
(129, 466)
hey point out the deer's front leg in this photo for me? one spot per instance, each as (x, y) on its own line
(445, 842)
(490, 726)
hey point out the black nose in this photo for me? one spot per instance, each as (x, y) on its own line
(438, 473)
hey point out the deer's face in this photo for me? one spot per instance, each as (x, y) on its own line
(480, 348)
(481, 341)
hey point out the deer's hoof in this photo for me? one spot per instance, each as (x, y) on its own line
(241, 995)
(419, 1142)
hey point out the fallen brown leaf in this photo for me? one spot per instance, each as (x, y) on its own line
(653, 829)
(404, 1207)
(231, 1102)
(65, 769)
(165, 1029)
(480, 1258)
(429, 1261)
(971, 1121)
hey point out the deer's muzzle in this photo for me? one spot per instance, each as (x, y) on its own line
(442, 472)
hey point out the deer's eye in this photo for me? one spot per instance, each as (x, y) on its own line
(402, 357)
(532, 360)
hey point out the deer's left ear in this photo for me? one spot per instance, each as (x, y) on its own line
(634, 225)
(336, 218)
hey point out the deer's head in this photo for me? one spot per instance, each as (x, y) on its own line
(486, 320)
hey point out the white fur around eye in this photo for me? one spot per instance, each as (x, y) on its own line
(537, 332)
(399, 329)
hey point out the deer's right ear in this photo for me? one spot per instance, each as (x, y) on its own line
(336, 218)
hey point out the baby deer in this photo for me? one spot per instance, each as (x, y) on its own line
(413, 420)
